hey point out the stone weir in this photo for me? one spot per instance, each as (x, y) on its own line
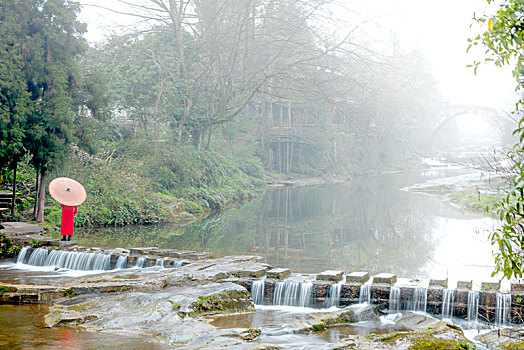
(86, 259)
(334, 288)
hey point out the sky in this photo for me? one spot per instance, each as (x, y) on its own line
(438, 29)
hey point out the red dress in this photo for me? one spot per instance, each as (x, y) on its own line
(68, 220)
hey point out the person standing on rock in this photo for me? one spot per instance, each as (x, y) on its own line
(67, 227)
(70, 194)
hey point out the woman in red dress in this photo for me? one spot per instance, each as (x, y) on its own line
(68, 221)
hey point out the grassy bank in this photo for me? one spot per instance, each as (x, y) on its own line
(476, 202)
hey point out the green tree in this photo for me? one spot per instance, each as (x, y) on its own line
(504, 39)
(15, 103)
(46, 103)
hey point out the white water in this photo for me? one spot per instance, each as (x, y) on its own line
(160, 262)
(141, 262)
(38, 257)
(21, 255)
(365, 294)
(473, 306)
(419, 301)
(257, 291)
(394, 300)
(177, 263)
(333, 295)
(293, 294)
(67, 260)
(448, 304)
(503, 310)
(121, 262)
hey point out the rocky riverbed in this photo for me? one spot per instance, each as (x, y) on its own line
(203, 305)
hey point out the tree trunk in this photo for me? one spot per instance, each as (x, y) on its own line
(13, 200)
(41, 197)
(36, 194)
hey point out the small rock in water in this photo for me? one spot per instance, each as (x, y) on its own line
(56, 269)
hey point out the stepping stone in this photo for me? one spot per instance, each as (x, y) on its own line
(357, 277)
(490, 286)
(464, 285)
(330, 275)
(142, 251)
(278, 273)
(253, 272)
(65, 244)
(438, 283)
(385, 278)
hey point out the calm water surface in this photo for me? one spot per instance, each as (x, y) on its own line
(23, 327)
(370, 224)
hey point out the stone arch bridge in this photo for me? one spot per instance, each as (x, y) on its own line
(501, 123)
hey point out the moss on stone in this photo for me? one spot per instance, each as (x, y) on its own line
(3, 290)
(512, 345)
(343, 317)
(250, 334)
(225, 302)
(70, 293)
(319, 327)
(176, 306)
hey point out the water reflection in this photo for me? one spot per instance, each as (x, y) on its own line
(368, 224)
(23, 327)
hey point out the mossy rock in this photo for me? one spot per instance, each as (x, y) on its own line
(321, 326)
(69, 293)
(228, 301)
(3, 290)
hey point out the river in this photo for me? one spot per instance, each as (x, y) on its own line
(373, 223)
(382, 223)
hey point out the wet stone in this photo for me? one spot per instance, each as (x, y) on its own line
(197, 256)
(330, 275)
(490, 286)
(65, 244)
(349, 294)
(253, 272)
(464, 285)
(278, 273)
(461, 303)
(385, 278)
(150, 262)
(142, 251)
(357, 277)
(438, 283)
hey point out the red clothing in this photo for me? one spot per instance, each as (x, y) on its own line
(68, 220)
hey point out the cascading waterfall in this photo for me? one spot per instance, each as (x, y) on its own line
(333, 295)
(394, 300)
(21, 256)
(160, 262)
(257, 291)
(68, 260)
(38, 257)
(293, 294)
(141, 262)
(473, 305)
(121, 262)
(419, 301)
(503, 309)
(177, 263)
(365, 294)
(78, 261)
(448, 303)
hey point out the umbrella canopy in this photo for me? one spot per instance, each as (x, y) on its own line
(67, 191)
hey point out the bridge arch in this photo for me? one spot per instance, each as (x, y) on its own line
(500, 123)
